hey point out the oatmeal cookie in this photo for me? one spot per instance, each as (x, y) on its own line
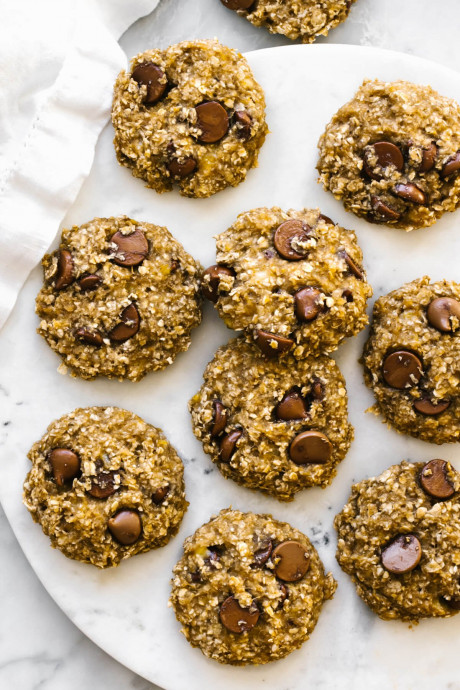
(105, 485)
(192, 116)
(292, 280)
(296, 19)
(120, 299)
(392, 154)
(399, 540)
(248, 589)
(412, 359)
(278, 426)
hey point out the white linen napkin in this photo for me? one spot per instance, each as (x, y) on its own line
(58, 62)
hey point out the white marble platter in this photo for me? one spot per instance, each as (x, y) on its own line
(124, 610)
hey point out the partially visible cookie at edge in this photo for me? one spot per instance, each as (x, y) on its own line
(412, 359)
(105, 485)
(392, 154)
(399, 540)
(192, 115)
(249, 589)
(275, 426)
(292, 280)
(120, 298)
(296, 19)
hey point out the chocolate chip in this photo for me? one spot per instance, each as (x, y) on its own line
(160, 494)
(214, 555)
(284, 594)
(291, 561)
(434, 479)
(236, 618)
(90, 337)
(175, 265)
(429, 408)
(89, 281)
(210, 281)
(219, 420)
(65, 465)
(212, 120)
(386, 154)
(383, 210)
(402, 369)
(237, 4)
(263, 553)
(306, 303)
(443, 313)
(317, 390)
(410, 192)
(326, 219)
(228, 444)
(352, 266)
(103, 485)
(451, 166)
(129, 326)
(131, 249)
(452, 602)
(292, 406)
(243, 122)
(402, 555)
(125, 526)
(289, 239)
(428, 158)
(182, 168)
(310, 447)
(64, 274)
(153, 77)
(347, 295)
(271, 344)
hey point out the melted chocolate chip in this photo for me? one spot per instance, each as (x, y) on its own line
(429, 408)
(292, 406)
(451, 166)
(125, 526)
(402, 555)
(212, 120)
(90, 337)
(65, 465)
(271, 344)
(160, 494)
(236, 618)
(310, 447)
(382, 209)
(443, 313)
(219, 419)
(210, 282)
(402, 369)
(289, 239)
(153, 77)
(435, 481)
(386, 154)
(103, 485)
(410, 192)
(89, 281)
(64, 274)
(131, 250)
(128, 326)
(306, 303)
(291, 561)
(228, 444)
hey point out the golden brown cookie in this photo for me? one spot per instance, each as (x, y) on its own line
(191, 115)
(249, 589)
(105, 485)
(120, 299)
(399, 540)
(392, 154)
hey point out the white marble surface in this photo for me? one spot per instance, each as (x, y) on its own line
(39, 647)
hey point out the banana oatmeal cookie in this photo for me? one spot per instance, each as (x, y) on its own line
(120, 299)
(292, 280)
(249, 589)
(412, 359)
(192, 115)
(392, 154)
(278, 426)
(296, 19)
(105, 485)
(399, 540)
